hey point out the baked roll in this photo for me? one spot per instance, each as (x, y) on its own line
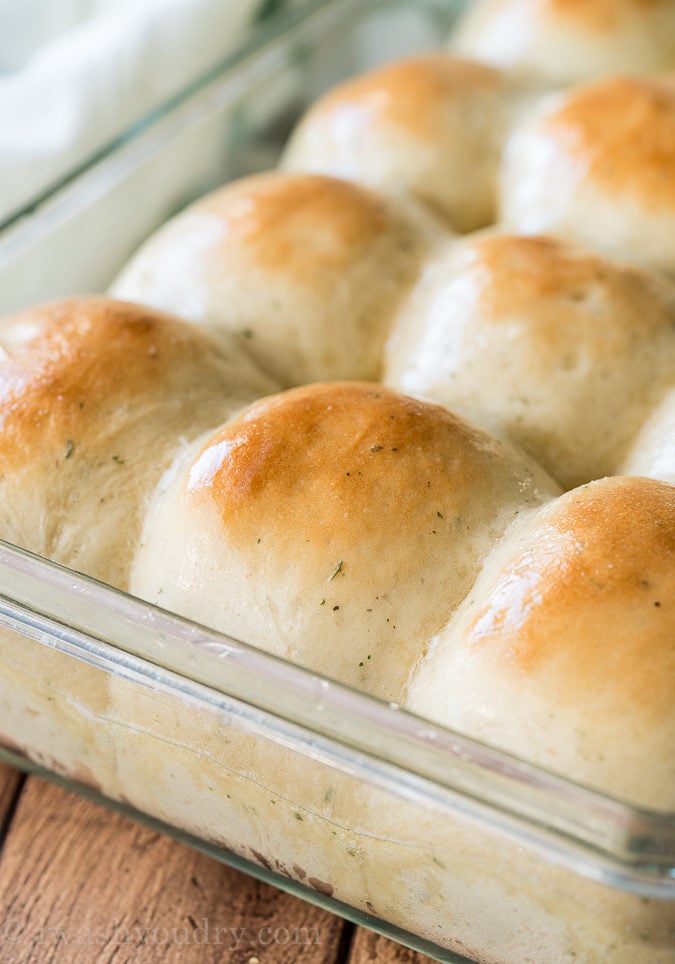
(563, 41)
(564, 651)
(597, 166)
(558, 349)
(431, 128)
(652, 452)
(305, 271)
(336, 525)
(97, 397)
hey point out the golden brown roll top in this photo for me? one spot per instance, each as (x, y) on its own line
(597, 166)
(564, 652)
(306, 271)
(96, 397)
(431, 128)
(568, 40)
(336, 525)
(562, 351)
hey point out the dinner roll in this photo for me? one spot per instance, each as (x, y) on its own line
(337, 525)
(96, 398)
(431, 127)
(564, 651)
(569, 40)
(653, 450)
(597, 166)
(560, 350)
(306, 271)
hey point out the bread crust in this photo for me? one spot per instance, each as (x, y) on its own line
(305, 271)
(96, 397)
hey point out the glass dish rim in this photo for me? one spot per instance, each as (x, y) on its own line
(628, 847)
(254, 59)
(264, 34)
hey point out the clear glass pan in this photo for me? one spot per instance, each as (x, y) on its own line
(77, 236)
(264, 762)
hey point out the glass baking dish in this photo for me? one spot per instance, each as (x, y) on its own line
(452, 847)
(76, 238)
(75, 74)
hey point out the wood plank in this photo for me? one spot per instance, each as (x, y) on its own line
(370, 948)
(10, 784)
(80, 885)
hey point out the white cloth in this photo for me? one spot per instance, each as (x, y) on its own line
(105, 64)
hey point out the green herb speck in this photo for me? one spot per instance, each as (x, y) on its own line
(70, 448)
(339, 567)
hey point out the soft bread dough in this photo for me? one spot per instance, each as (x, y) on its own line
(97, 396)
(431, 128)
(306, 271)
(562, 41)
(596, 165)
(560, 350)
(653, 450)
(336, 525)
(572, 620)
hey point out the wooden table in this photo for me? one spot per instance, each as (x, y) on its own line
(81, 885)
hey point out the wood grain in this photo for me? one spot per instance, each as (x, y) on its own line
(11, 783)
(369, 948)
(80, 885)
